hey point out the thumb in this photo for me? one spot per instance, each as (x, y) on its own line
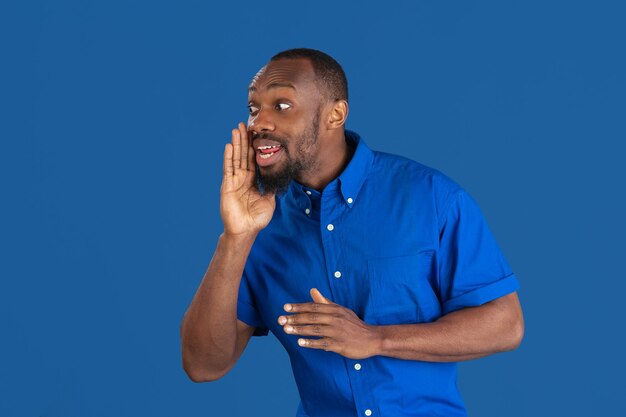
(318, 297)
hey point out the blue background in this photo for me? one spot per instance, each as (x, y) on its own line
(113, 119)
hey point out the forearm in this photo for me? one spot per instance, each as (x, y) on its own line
(209, 327)
(462, 335)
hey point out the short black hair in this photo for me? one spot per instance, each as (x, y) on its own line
(327, 70)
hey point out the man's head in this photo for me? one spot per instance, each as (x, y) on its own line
(330, 76)
(298, 106)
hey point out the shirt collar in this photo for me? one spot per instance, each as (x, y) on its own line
(351, 179)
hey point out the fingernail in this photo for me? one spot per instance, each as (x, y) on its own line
(282, 320)
(287, 307)
(301, 342)
(289, 329)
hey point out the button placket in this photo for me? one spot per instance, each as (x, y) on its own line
(358, 378)
(332, 210)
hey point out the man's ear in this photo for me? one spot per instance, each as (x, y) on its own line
(338, 114)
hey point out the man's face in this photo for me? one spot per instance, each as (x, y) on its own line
(285, 107)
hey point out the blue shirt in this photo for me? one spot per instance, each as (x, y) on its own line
(396, 242)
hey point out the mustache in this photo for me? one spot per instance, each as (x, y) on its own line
(269, 136)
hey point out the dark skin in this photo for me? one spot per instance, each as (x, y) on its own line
(466, 334)
(212, 337)
(284, 99)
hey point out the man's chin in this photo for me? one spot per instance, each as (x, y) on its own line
(272, 180)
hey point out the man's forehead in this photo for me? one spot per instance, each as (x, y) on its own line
(294, 73)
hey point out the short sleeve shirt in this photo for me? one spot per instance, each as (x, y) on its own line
(396, 242)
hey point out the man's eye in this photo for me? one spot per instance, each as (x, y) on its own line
(253, 109)
(282, 106)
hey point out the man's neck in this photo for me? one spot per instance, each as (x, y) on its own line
(338, 159)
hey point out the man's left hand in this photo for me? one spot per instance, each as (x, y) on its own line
(338, 328)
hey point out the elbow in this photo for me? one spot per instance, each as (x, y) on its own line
(198, 377)
(203, 369)
(512, 323)
(197, 374)
(515, 334)
(516, 337)
(198, 367)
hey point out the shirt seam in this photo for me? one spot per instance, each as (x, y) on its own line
(447, 206)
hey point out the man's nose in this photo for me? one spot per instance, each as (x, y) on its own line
(261, 122)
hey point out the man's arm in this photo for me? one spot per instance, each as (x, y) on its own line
(469, 333)
(465, 334)
(212, 337)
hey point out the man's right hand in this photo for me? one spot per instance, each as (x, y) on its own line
(244, 210)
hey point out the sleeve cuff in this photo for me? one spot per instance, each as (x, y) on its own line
(247, 314)
(482, 295)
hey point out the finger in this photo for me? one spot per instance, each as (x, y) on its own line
(323, 343)
(318, 297)
(244, 146)
(320, 330)
(306, 318)
(236, 148)
(251, 152)
(312, 308)
(228, 161)
(251, 158)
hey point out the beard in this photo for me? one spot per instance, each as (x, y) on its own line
(278, 181)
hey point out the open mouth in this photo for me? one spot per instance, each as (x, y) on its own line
(268, 154)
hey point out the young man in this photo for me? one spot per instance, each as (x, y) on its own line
(375, 272)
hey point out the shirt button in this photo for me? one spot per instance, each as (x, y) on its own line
(337, 274)
(357, 366)
(350, 200)
(330, 227)
(307, 211)
(368, 412)
(308, 192)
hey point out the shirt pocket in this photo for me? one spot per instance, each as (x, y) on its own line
(401, 290)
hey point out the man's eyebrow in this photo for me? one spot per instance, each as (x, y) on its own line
(252, 88)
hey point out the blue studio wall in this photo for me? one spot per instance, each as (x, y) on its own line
(113, 117)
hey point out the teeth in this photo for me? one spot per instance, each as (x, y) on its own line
(268, 147)
(266, 155)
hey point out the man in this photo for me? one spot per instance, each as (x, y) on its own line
(375, 272)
